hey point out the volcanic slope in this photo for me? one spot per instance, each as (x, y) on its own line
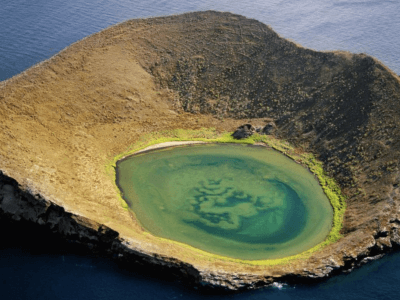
(344, 107)
(64, 118)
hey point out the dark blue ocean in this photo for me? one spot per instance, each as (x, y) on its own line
(34, 30)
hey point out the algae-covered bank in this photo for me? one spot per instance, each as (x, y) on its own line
(67, 121)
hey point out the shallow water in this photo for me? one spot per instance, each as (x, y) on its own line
(246, 202)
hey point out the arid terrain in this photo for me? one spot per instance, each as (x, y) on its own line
(64, 119)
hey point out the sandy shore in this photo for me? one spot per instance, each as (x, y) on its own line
(168, 144)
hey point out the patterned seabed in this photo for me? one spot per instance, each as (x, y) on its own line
(246, 202)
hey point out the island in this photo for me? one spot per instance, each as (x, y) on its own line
(67, 121)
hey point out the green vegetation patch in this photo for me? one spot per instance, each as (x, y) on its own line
(330, 188)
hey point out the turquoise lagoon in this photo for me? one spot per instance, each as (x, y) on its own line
(240, 201)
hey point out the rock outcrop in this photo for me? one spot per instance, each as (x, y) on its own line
(244, 131)
(247, 130)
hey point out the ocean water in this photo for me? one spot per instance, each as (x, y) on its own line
(31, 31)
(35, 30)
(39, 266)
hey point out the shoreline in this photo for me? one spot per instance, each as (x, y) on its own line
(264, 141)
(166, 145)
